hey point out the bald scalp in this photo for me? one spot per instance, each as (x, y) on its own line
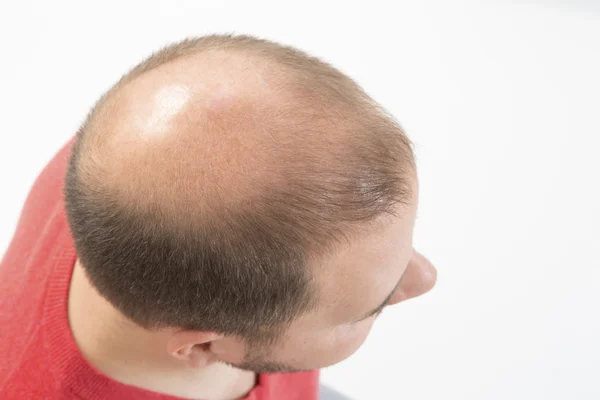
(218, 118)
(210, 174)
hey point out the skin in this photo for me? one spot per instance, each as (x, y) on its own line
(161, 112)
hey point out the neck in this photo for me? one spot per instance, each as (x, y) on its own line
(134, 356)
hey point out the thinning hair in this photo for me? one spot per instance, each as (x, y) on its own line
(242, 267)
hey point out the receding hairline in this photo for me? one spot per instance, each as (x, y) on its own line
(303, 76)
(312, 78)
(263, 54)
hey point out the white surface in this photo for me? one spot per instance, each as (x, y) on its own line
(502, 101)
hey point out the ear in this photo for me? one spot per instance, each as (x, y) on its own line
(193, 347)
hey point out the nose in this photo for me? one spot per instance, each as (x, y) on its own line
(419, 278)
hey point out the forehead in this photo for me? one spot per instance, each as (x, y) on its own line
(358, 277)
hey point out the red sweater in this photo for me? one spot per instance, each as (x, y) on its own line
(39, 358)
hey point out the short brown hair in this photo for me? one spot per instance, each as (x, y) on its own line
(243, 270)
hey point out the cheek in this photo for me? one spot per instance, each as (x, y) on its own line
(355, 335)
(348, 339)
(325, 348)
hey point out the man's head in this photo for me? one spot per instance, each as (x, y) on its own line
(248, 200)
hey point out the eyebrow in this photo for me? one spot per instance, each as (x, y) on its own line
(380, 307)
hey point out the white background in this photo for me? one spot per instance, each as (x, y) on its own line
(502, 101)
